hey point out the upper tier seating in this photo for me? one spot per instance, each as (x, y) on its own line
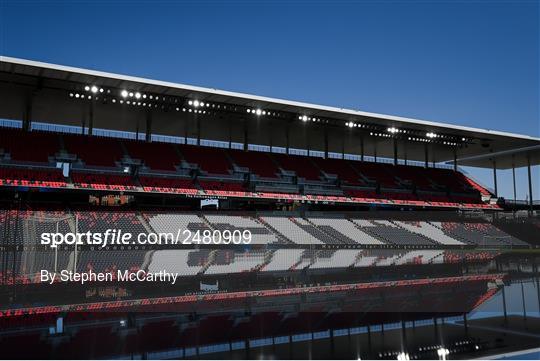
(257, 162)
(397, 182)
(22, 145)
(103, 181)
(32, 177)
(94, 151)
(378, 172)
(303, 166)
(222, 186)
(341, 168)
(211, 160)
(167, 184)
(157, 156)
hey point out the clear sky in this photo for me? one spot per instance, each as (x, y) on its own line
(472, 63)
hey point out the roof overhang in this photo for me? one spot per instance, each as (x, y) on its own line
(485, 144)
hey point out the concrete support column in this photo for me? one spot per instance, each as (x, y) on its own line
(529, 176)
(455, 159)
(27, 113)
(91, 118)
(362, 148)
(287, 140)
(395, 152)
(426, 156)
(514, 183)
(148, 125)
(495, 178)
(405, 153)
(326, 142)
(246, 133)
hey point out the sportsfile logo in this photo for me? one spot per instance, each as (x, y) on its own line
(113, 237)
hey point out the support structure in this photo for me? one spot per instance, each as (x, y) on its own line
(455, 159)
(495, 178)
(426, 156)
(395, 152)
(362, 148)
(325, 142)
(530, 184)
(246, 140)
(514, 182)
(148, 126)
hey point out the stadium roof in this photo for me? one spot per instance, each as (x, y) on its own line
(483, 146)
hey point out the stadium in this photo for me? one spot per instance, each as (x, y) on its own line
(342, 233)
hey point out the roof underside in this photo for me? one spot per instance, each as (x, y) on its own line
(480, 150)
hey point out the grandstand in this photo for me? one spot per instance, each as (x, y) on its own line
(357, 220)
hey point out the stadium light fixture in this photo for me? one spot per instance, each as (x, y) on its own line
(258, 112)
(196, 103)
(350, 124)
(138, 95)
(94, 89)
(124, 93)
(87, 88)
(393, 130)
(442, 353)
(431, 135)
(304, 118)
(402, 356)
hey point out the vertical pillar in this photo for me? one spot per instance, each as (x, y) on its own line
(455, 159)
(362, 148)
(523, 302)
(514, 182)
(186, 130)
(395, 152)
(375, 151)
(246, 140)
(27, 115)
(405, 152)
(403, 336)
(287, 140)
(230, 133)
(504, 306)
(148, 125)
(530, 183)
(91, 118)
(426, 156)
(326, 142)
(495, 178)
(198, 122)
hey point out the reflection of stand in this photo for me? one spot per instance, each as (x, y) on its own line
(35, 225)
(496, 242)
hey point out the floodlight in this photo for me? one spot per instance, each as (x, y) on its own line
(124, 93)
(94, 89)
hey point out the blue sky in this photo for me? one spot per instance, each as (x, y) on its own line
(473, 63)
